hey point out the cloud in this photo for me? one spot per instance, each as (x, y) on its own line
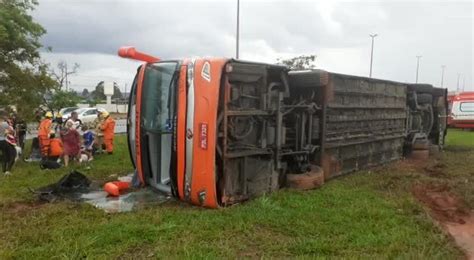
(336, 31)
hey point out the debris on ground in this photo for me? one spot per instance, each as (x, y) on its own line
(67, 187)
(133, 200)
(451, 212)
(114, 188)
(75, 186)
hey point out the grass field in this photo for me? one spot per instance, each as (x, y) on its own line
(369, 214)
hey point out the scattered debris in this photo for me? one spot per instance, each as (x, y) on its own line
(114, 188)
(77, 187)
(67, 187)
(124, 203)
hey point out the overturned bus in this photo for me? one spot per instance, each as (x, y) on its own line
(217, 131)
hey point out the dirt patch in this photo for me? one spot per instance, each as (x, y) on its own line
(21, 208)
(435, 169)
(450, 211)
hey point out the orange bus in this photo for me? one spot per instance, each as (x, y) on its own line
(217, 131)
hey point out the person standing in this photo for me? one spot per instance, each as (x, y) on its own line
(95, 125)
(88, 137)
(58, 123)
(71, 142)
(20, 127)
(108, 129)
(74, 119)
(8, 155)
(43, 133)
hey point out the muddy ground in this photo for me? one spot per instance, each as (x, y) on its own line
(440, 197)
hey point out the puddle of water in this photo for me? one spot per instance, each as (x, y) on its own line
(133, 200)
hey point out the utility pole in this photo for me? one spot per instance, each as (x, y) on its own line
(237, 31)
(372, 53)
(442, 74)
(417, 67)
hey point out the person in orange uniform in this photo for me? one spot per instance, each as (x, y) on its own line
(55, 147)
(43, 133)
(108, 127)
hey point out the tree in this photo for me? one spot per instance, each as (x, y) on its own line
(98, 93)
(63, 72)
(61, 99)
(302, 62)
(24, 79)
(85, 93)
(117, 92)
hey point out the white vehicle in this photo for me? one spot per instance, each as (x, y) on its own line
(66, 112)
(88, 115)
(462, 111)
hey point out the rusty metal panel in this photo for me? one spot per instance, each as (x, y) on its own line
(365, 123)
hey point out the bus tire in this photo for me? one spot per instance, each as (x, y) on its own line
(421, 145)
(306, 181)
(439, 92)
(424, 99)
(420, 155)
(421, 88)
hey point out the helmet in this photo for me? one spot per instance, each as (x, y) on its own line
(104, 114)
(49, 114)
(59, 115)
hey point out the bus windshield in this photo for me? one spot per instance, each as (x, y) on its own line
(156, 100)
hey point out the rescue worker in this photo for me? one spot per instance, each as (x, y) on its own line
(95, 125)
(55, 147)
(43, 133)
(108, 128)
(58, 123)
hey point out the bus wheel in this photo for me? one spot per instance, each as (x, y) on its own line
(420, 155)
(421, 145)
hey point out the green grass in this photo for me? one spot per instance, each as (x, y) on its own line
(369, 214)
(458, 137)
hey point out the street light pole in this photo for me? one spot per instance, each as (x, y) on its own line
(237, 31)
(372, 53)
(442, 74)
(417, 67)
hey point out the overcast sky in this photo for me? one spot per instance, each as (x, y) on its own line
(90, 32)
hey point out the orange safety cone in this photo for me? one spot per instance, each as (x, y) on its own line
(114, 188)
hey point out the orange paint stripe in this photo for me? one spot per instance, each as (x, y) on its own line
(138, 147)
(206, 105)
